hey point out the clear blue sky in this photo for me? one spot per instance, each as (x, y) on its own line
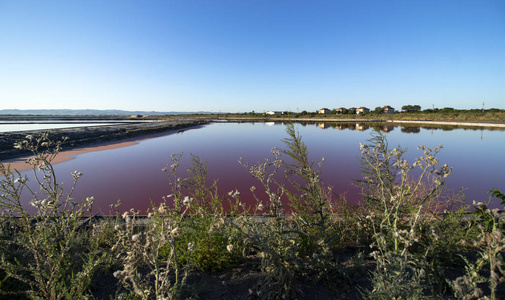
(244, 55)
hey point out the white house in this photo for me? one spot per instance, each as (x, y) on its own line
(270, 112)
(324, 111)
(362, 110)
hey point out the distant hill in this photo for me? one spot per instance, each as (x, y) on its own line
(89, 112)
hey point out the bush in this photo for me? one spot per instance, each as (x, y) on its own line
(295, 228)
(46, 253)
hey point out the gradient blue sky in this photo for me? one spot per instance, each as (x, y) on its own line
(241, 55)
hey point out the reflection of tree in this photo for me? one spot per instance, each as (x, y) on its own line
(384, 127)
(411, 129)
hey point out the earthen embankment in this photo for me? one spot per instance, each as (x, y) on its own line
(86, 135)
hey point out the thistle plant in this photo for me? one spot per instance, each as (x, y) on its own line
(44, 250)
(268, 173)
(491, 246)
(209, 217)
(392, 195)
(274, 240)
(397, 204)
(147, 248)
(144, 273)
(311, 198)
(288, 244)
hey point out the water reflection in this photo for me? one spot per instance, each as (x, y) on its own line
(388, 127)
(411, 129)
(361, 126)
(133, 173)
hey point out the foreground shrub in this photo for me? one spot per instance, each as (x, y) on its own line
(207, 224)
(46, 252)
(298, 244)
(488, 267)
(295, 228)
(398, 206)
(144, 273)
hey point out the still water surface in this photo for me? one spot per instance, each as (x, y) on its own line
(133, 173)
(13, 126)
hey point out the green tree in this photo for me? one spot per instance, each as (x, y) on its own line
(378, 110)
(411, 108)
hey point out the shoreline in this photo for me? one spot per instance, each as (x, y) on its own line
(94, 136)
(108, 135)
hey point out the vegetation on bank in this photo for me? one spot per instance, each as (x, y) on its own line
(402, 242)
(444, 114)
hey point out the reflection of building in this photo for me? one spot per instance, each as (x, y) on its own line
(388, 109)
(387, 128)
(342, 126)
(323, 125)
(362, 110)
(324, 111)
(362, 127)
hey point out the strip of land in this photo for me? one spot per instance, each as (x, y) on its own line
(366, 120)
(87, 135)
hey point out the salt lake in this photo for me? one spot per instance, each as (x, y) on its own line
(132, 172)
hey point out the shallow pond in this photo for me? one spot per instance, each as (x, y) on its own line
(132, 172)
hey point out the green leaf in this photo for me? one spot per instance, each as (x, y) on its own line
(496, 193)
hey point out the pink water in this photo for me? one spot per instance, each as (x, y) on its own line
(133, 173)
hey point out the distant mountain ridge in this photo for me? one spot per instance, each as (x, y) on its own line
(89, 112)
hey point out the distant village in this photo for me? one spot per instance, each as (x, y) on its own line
(342, 110)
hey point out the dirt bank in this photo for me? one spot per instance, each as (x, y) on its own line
(81, 136)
